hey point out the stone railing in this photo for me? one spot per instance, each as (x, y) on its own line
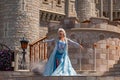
(101, 24)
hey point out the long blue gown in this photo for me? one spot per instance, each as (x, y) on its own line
(59, 63)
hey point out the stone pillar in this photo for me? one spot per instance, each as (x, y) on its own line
(53, 16)
(43, 16)
(48, 17)
(110, 3)
(101, 8)
(66, 8)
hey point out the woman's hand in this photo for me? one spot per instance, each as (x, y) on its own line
(81, 47)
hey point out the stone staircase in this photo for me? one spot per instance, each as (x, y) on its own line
(115, 70)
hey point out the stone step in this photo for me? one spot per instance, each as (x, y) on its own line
(117, 69)
(28, 73)
(112, 74)
(116, 66)
(64, 78)
(31, 76)
(16, 73)
(118, 62)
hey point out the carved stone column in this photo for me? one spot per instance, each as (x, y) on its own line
(44, 16)
(48, 16)
(101, 8)
(110, 3)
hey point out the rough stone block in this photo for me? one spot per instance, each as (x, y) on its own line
(79, 78)
(67, 78)
(117, 78)
(90, 78)
(102, 45)
(102, 56)
(74, 61)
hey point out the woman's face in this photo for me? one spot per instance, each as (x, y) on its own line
(61, 34)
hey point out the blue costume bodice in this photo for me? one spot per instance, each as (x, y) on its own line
(61, 46)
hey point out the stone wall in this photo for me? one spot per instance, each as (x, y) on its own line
(101, 24)
(86, 9)
(70, 8)
(52, 6)
(65, 7)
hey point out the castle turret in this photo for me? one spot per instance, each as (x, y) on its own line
(18, 19)
(85, 9)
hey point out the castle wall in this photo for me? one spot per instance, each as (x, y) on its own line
(53, 6)
(70, 8)
(86, 9)
(116, 7)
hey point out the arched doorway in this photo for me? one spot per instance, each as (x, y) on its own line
(6, 58)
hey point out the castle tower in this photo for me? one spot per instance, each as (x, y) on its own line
(86, 9)
(18, 19)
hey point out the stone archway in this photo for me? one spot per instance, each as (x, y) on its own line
(6, 58)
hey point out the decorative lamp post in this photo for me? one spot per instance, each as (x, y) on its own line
(95, 58)
(24, 44)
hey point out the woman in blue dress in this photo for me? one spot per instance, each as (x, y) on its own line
(59, 63)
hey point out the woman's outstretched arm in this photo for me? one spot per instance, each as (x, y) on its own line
(50, 40)
(73, 43)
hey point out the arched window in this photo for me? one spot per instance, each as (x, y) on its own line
(45, 0)
(23, 4)
(118, 14)
(105, 14)
(72, 8)
(96, 1)
(58, 1)
(101, 37)
(114, 14)
(114, 2)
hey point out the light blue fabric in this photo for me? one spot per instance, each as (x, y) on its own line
(64, 68)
